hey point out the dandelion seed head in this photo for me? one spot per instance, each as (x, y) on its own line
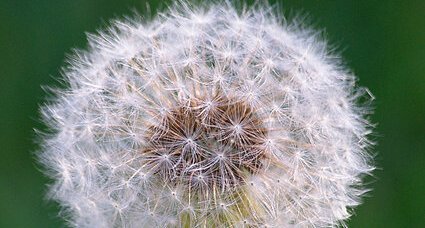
(206, 116)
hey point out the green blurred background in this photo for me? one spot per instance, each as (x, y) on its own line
(382, 41)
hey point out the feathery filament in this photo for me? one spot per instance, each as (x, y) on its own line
(207, 117)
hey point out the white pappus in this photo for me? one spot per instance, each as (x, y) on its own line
(206, 116)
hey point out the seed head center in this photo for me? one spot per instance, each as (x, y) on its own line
(200, 152)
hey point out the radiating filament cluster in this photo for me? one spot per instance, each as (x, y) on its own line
(208, 144)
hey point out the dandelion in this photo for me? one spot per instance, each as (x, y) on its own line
(206, 117)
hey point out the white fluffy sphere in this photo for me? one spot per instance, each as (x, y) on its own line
(206, 117)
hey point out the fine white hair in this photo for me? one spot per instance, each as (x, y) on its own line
(150, 131)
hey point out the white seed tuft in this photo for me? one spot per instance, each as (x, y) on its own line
(207, 117)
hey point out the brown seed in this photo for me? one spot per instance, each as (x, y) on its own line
(206, 145)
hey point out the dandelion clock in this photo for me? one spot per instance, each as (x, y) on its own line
(206, 116)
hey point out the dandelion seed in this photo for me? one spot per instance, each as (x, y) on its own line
(207, 117)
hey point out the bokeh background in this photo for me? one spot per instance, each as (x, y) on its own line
(382, 41)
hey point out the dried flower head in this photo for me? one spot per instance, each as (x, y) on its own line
(206, 117)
